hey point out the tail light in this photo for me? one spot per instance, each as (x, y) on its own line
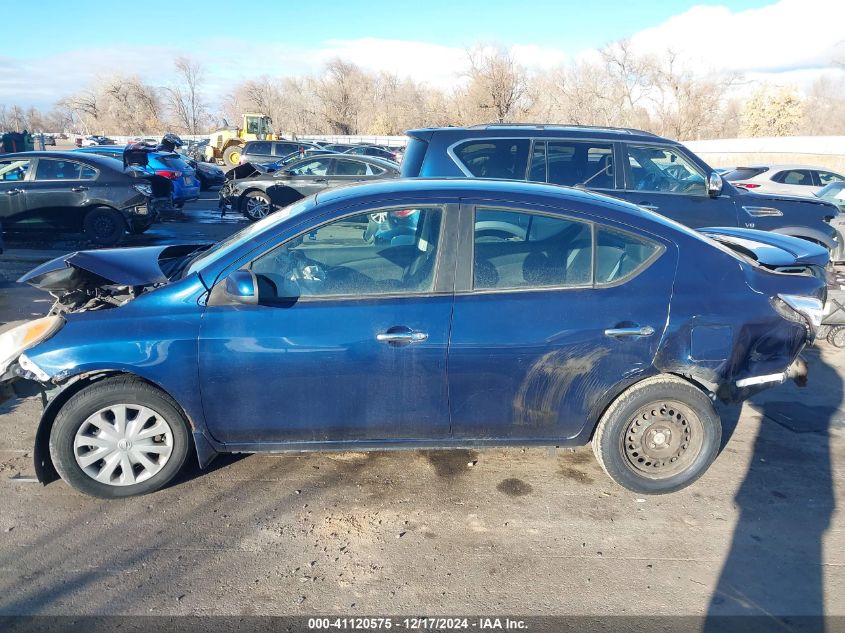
(169, 173)
(746, 185)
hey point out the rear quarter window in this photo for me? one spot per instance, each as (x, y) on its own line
(494, 158)
(414, 155)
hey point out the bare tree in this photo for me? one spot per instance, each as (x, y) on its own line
(497, 85)
(184, 98)
(339, 91)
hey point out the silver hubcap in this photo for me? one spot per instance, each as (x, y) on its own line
(123, 444)
(257, 207)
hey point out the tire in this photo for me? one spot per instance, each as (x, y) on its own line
(658, 436)
(836, 336)
(256, 205)
(232, 156)
(74, 438)
(104, 226)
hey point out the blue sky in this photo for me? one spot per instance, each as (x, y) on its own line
(569, 24)
(780, 41)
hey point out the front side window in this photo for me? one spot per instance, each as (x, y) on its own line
(527, 250)
(13, 169)
(665, 170)
(494, 158)
(51, 169)
(317, 167)
(389, 251)
(827, 177)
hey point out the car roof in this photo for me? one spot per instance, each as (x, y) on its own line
(529, 130)
(89, 157)
(374, 160)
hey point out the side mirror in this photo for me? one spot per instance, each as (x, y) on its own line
(714, 185)
(239, 287)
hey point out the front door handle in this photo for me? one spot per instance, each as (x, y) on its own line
(14, 192)
(645, 330)
(78, 189)
(646, 205)
(402, 336)
(320, 180)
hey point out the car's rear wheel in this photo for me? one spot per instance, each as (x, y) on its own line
(256, 205)
(659, 436)
(120, 437)
(104, 226)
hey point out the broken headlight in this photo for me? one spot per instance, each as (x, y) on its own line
(19, 339)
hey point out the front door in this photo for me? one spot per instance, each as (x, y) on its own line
(543, 326)
(348, 340)
(13, 185)
(662, 179)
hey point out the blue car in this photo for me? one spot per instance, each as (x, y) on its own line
(513, 314)
(174, 167)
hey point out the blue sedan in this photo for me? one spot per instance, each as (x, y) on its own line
(512, 314)
(174, 167)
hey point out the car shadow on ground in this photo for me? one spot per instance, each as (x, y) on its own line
(774, 569)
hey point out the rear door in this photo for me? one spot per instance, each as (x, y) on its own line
(551, 313)
(311, 175)
(664, 180)
(56, 188)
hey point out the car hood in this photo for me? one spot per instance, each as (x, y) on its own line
(781, 197)
(768, 248)
(139, 266)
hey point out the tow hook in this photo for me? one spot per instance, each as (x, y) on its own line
(798, 372)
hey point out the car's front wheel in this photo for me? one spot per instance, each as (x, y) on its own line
(256, 205)
(658, 436)
(119, 437)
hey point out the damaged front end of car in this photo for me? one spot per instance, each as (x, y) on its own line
(82, 281)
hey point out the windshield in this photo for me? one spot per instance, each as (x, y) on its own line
(248, 232)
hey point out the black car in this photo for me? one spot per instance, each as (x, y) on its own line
(653, 172)
(208, 174)
(271, 151)
(259, 195)
(72, 191)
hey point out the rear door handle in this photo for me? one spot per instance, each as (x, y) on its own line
(78, 189)
(402, 337)
(646, 205)
(645, 330)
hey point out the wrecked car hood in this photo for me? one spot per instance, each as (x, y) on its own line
(769, 248)
(138, 266)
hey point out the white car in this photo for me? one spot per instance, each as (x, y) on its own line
(795, 180)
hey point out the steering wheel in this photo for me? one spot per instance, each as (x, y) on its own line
(307, 274)
(653, 182)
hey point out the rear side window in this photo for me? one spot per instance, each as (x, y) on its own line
(620, 255)
(794, 177)
(743, 173)
(573, 163)
(494, 158)
(51, 169)
(527, 250)
(259, 147)
(343, 167)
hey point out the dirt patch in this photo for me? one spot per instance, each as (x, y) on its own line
(514, 487)
(452, 462)
(575, 475)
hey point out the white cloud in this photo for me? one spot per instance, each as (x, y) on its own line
(784, 36)
(788, 42)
